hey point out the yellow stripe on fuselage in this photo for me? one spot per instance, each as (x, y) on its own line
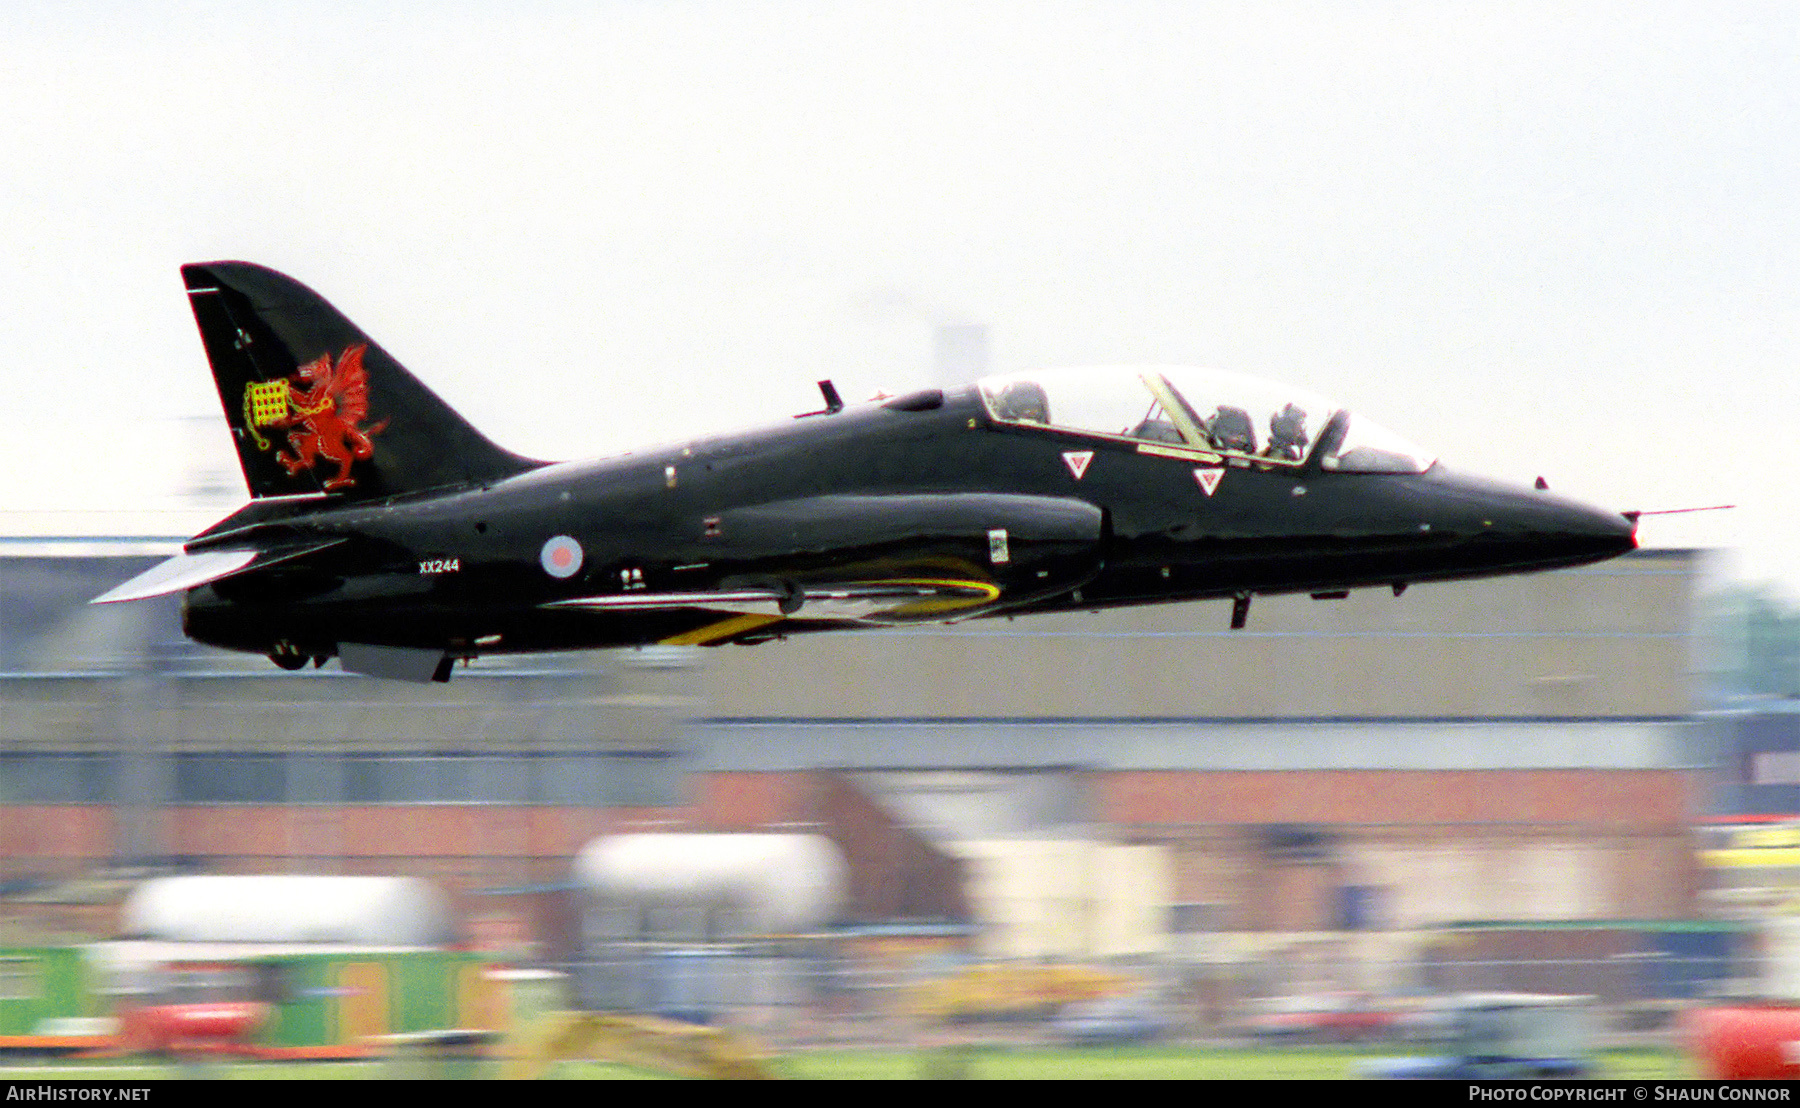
(931, 605)
(985, 592)
(723, 629)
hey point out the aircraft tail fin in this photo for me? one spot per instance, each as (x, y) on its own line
(315, 406)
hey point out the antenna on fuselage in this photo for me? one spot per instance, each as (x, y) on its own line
(833, 402)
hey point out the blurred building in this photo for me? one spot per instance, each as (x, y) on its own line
(1522, 748)
(1755, 749)
(1090, 784)
(1753, 640)
(126, 749)
(1751, 644)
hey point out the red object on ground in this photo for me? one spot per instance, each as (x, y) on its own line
(1760, 1042)
(222, 1027)
(1340, 1016)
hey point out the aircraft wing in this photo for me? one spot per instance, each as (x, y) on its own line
(191, 570)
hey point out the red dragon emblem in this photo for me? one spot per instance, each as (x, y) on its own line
(320, 406)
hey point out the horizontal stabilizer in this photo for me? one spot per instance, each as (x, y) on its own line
(190, 571)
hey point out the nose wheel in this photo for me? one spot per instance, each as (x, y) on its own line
(288, 656)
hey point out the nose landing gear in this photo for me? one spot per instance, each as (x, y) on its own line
(291, 657)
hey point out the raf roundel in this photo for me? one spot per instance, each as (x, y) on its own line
(561, 557)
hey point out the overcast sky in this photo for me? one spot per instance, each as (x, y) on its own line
(1554, 239)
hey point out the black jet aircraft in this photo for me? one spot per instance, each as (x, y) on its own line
(386, 531)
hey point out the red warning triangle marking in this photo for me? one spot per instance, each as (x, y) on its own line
(1209, 479)
(1077, 461)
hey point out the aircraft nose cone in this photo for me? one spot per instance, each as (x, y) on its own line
(1590, 534)
(1577, 528)
(1617, 531)
(1534, 528)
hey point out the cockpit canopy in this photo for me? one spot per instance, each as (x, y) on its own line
(1205, 414)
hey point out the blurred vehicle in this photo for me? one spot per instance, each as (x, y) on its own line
(187, 1008)
(1504, 1036)
(1745, 1042)
(1755, 1039)
(300, 1001)
(1334, 1017)
(997, 991)
(265, 1000)
(1133, 1018)
(1426, 1020)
